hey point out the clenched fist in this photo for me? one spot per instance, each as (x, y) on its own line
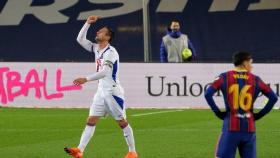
(92, 19)
(79, 81)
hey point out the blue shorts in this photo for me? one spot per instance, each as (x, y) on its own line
(230, 141)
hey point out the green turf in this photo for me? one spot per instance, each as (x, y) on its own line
(42, 133)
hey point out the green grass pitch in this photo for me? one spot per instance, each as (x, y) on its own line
(43, 133)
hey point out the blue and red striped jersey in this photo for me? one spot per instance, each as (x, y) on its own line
(240, 89)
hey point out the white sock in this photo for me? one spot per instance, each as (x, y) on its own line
(129, 138)
(86, 136)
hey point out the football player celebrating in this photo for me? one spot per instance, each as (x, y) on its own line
(109, 97)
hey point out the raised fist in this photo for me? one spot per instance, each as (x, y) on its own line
(92, 19)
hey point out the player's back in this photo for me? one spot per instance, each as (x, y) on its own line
(240, 89)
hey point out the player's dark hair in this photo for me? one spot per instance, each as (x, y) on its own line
(174, 20)
(110, 33)
(240, 57)
(169, 24)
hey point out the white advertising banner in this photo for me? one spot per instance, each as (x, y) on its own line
(147, 85)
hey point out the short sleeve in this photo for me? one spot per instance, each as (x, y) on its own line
(217, 84)
(264, 88)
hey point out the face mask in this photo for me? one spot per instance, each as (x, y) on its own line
(175, 30)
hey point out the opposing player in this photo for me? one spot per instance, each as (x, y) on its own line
(240, 89)
(109, 97)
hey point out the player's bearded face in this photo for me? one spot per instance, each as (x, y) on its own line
(101, 35)
(175, 26)
(98, 38)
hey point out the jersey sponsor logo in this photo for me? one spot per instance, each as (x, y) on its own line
(245, 115)
(98, 64)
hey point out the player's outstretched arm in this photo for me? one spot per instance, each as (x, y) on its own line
(79, 81)
(107, 70)
(82, 36)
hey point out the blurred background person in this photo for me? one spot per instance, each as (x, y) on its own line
(176, 47)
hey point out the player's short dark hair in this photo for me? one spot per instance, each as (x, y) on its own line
(169, 24)
(174, 20)
(110, 33)
(241, 56)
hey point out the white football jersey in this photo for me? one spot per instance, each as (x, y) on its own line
(108, 54)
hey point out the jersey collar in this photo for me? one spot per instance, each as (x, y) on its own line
(240, 69)
(105, 48)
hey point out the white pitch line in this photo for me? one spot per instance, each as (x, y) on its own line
(153, 113)
(277, 108)
(136, 130)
